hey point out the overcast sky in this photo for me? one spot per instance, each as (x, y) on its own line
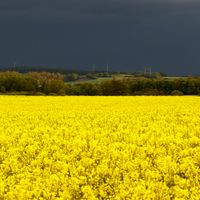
(128, 35)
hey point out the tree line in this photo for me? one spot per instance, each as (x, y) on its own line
(46, 83)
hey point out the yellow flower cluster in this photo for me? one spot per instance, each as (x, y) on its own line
(99, 148)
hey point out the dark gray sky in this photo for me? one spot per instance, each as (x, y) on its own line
(126, 34)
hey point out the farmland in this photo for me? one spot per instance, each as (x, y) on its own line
(99, 147)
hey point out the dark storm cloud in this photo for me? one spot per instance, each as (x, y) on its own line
(83, 10)
(128, 34)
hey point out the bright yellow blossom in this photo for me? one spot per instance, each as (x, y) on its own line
(99, 148)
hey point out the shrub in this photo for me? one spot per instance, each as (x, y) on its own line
(52, 94)
(39, 94)
(177, 93)
(2, 89)
(61, 92)
(114, 88)
(149, 92)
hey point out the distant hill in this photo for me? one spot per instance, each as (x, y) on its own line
(26, 69)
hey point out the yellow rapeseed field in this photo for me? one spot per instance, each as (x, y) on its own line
(99, 148)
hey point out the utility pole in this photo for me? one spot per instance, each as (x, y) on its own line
(107, 68)
(147, 71)
(14, 65)
(93, 68)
